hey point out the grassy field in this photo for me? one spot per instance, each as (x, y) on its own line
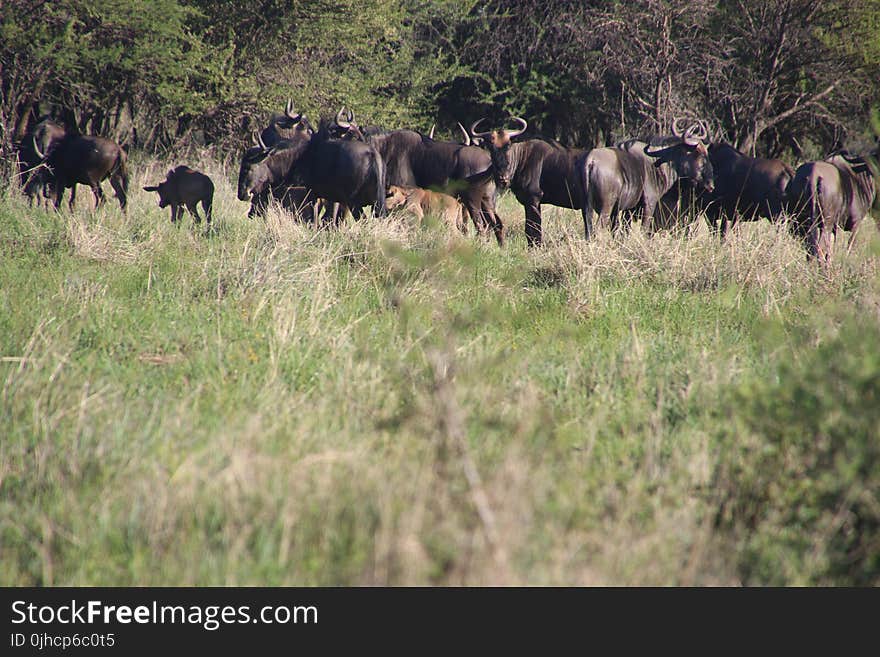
(394, 404)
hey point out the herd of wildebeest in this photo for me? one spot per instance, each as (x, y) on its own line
(343, 167)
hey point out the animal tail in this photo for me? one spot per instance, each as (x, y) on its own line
(379, 208)
(119, 177)
(587, 204)
(815, 208)
(782, 203)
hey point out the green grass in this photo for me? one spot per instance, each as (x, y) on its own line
(393, 404)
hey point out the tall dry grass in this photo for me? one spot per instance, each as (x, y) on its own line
(385, 403)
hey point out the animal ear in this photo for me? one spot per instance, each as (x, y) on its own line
(151, 188)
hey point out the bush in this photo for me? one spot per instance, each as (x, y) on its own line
(798, 486)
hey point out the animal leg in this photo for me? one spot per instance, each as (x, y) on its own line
(99, 195)
(194, 211)
(651, 223)
(328, 215)
(533, 221)
(119, 184)
(477, 217)
(59, 194)
(826, 245)
(207, 204)
(614, 220)
(606, 212)
(725, 226)
(458, 219)
(712, 220)
(587, 213)
(497, 226)
(649, 219)
(462, 219)
(418, 211)
(852, 238)
(258, 205)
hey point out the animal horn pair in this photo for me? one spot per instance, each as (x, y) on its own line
(258, 140)
(509, 133)
(344, 118)
(696, 133)
(676, 128)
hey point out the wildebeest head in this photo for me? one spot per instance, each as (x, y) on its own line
(290, 125)
(263, 165)
(499, 142)
(33, 172)
(44, 135)
(689, 156)
(252, 177)
(164, 189)
(344, 126)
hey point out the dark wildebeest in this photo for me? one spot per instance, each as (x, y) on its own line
(185, 187)
(261, 177)
(633, 177)
(78, 159)
(415, 160)
(348, 172)
(823, 196)
(746, 188)
(536, 171)
(290, 127)
(34, 173)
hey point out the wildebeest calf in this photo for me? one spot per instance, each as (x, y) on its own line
(185, 187)
(420, 202)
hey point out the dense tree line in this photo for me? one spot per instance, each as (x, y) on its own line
(771, 76)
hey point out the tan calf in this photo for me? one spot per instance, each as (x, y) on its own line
(420, 202)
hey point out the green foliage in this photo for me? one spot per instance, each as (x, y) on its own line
(800, 477)
(586, 73)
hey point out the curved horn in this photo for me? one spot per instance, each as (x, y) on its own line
(691, 137)
(697, 133)
(350, 115)
(37, 150)
(431, 133)
(704, 130)
(467, 137)
(255, 137)
(479, 134)
(676, 129)
(261, 143)
(658, 153)
(516, 133)
(340, 120)
(291, 112)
